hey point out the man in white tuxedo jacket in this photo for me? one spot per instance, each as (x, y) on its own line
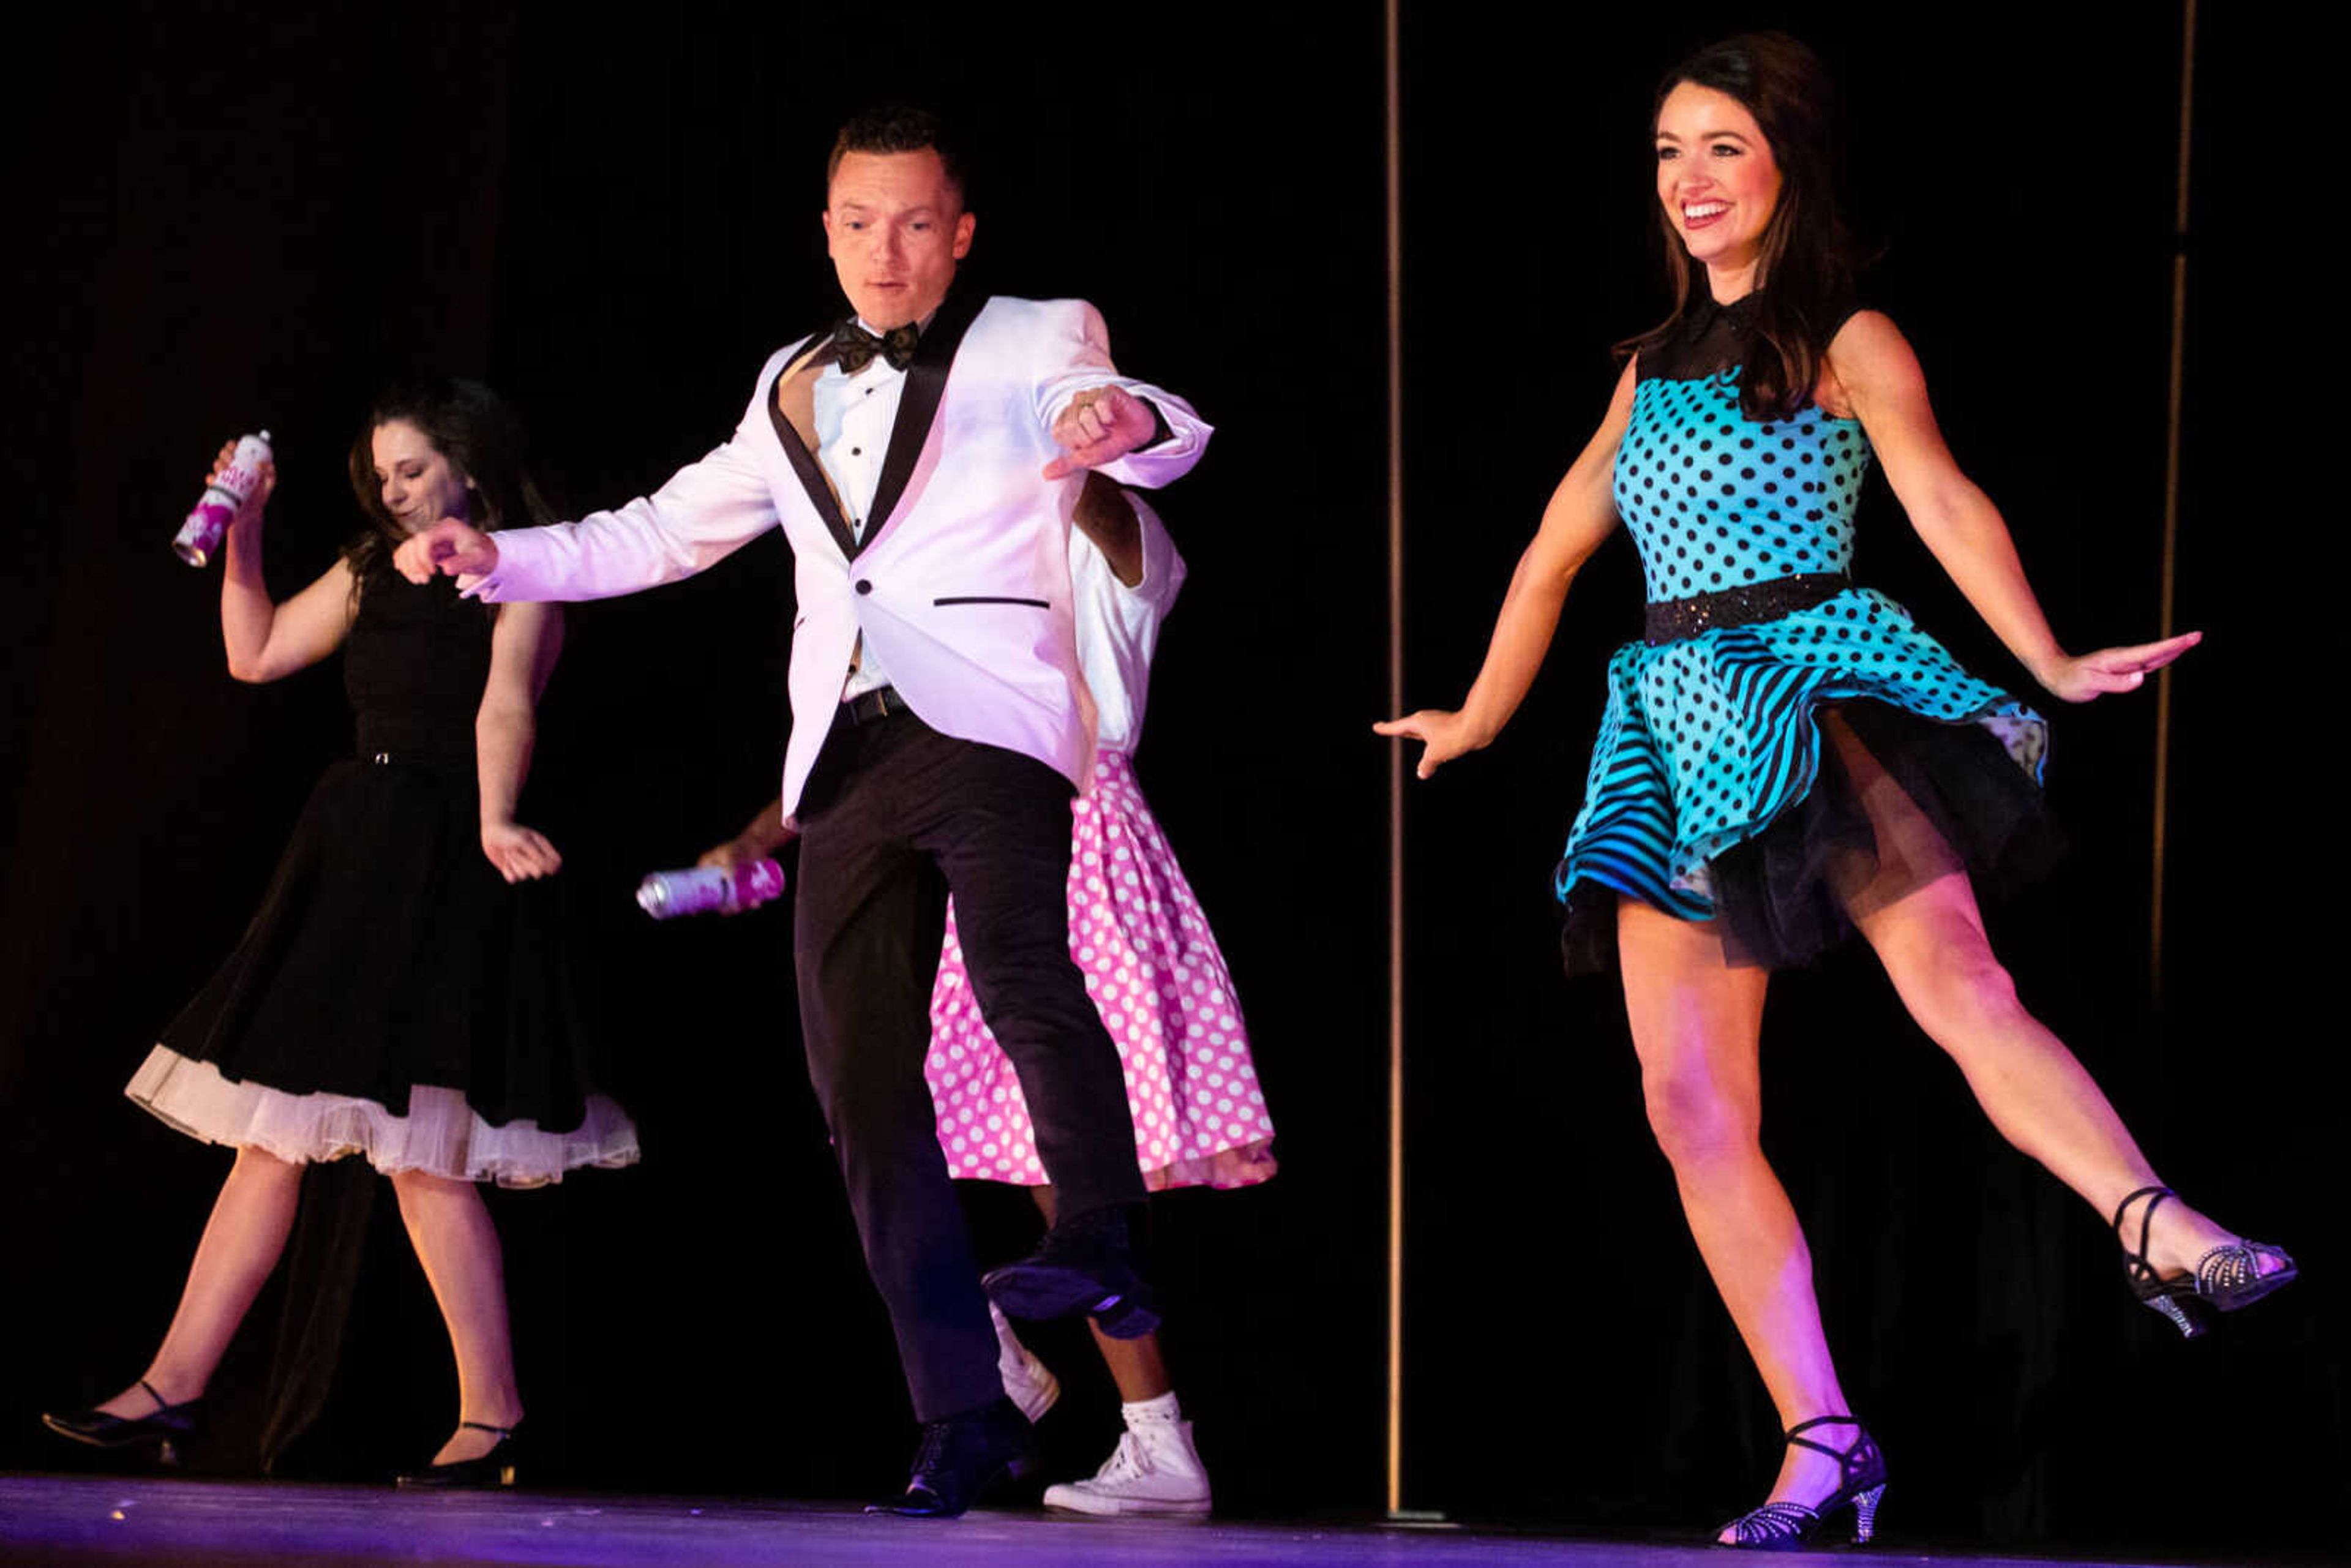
(924, 461)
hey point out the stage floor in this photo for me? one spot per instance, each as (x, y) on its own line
(56, 1519)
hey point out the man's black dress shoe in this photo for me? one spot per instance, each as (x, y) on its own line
(99, 1430)
(482, 1472)
(958, 1459)
(1085, 1264)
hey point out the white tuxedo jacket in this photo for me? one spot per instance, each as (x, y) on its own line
(961, 584)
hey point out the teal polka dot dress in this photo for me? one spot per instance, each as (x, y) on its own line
(1711, 739)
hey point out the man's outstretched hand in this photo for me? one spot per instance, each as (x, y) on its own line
(450, 547)
(1101, 425)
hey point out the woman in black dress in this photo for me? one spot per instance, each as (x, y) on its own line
(399, 995)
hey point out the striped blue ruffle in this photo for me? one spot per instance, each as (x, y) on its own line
(1708, 740)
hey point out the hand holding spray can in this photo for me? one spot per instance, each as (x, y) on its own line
(225, 496)
(728, 890)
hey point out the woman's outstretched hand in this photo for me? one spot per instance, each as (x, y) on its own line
(2080, 677)
(520, 853)
(1442, 735)
(448, 546)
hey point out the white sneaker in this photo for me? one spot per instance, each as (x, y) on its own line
(1028, 1383)
(1155, 1469)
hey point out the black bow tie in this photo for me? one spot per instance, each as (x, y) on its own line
(854, 347)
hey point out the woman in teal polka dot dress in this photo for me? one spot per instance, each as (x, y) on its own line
(1786, 758)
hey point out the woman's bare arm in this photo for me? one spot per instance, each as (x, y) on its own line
(1581, 514)
(1880, 376)
(523, 649)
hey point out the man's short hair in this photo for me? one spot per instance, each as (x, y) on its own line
(895, 128)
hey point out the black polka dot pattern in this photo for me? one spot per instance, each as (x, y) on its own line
(1708, 739)
(1715, 500)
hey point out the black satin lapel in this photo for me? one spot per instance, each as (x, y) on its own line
(804, 462)
(918, 405)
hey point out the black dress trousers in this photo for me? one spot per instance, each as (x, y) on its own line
(895, 818)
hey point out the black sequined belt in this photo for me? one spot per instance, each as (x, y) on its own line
(1675, 619)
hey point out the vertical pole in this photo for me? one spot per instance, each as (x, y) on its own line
(1395, 759)
(2168, 617)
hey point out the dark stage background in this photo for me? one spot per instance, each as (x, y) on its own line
(244, 222)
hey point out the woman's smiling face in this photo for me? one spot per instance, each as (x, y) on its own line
(1716, 176)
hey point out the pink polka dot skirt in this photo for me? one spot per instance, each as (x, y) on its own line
(1152, 966)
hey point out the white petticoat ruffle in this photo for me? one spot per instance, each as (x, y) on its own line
(440, 1133)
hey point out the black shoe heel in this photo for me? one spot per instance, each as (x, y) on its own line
(1790, 1526)
(2225, 1278)
(160, 1426)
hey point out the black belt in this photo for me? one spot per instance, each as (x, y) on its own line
(1675, 619)
(878, 703)
(399, 757)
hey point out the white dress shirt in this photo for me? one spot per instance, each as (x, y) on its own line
(854, 416)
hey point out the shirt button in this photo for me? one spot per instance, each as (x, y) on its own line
(857, 452)
(864, 585)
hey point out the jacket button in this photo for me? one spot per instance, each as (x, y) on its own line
(864, 586)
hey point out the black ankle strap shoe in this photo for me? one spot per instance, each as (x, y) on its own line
(484, 1472)
(162, 1425)
(1790, 1526)
(2235, 1274)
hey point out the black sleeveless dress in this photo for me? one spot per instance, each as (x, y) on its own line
(394, 998)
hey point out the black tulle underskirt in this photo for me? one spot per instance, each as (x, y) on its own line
(1776, 895)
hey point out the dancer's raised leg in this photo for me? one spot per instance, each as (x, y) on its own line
(1918, 913)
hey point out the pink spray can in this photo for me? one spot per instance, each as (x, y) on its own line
(665, 895)
(230, 489)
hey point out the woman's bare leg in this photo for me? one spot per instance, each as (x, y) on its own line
(241, 1243)
(1920, 915)
(450, 1227)
(1696, 1023)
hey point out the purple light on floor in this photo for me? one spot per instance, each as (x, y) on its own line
(52, 1521)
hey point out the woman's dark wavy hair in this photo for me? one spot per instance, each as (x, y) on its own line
(1809, 256)
(472, 427)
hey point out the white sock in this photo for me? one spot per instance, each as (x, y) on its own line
(1163, 1409)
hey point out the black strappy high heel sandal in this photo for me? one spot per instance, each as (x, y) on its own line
(161, 1426)
(2224, 1278)
(489, 1471)
(1790, 1526)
